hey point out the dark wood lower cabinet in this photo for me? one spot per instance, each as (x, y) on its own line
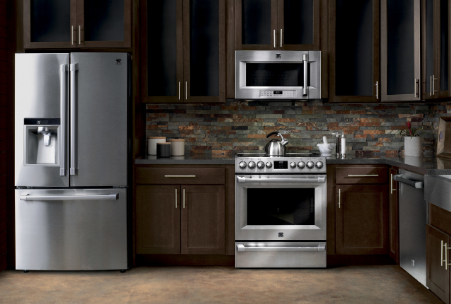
(158, 219)
(394, 217)
(203, 220)
(361, 219)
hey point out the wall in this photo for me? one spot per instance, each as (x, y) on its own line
(219, 130)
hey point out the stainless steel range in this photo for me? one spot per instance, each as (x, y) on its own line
(280, 211)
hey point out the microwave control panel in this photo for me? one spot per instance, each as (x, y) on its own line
(277, 94)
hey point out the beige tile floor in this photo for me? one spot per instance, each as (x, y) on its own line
(353, 284)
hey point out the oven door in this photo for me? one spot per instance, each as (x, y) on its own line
(278, 75)
(280, 207)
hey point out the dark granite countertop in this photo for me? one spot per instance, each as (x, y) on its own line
(430, 166)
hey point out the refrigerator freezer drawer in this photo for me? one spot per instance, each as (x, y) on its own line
(74, 229)
(280, 255)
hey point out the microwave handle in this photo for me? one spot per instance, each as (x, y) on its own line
(304, 89)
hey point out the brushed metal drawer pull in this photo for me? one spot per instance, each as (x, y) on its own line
(175, 198)
(363, 175)
(339, 198)
(180, 176)
(183, 198)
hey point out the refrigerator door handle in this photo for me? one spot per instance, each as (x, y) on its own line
(73, 117)
(105, 197)
(63, 114)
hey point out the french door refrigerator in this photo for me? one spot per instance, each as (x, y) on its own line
(71, 161)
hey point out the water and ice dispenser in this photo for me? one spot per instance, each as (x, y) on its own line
(41, 141)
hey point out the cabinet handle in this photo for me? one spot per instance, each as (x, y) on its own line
(280, 37)
(433, 84)
(180, 176)
(183, 198)
(391, 184)
(364, 175)
(79, 34)
(186, 90)
(430, 85)
(446, 256)
(72, 37)
(179, 90)
(377, 90)
(274, 38)
(175, 198)
(416, 87)
(339, 198)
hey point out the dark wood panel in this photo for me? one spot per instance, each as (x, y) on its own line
(203, 176)
(2, 249)
(2, 202)
(230, 210)
(437, 277)
(362, 175)
(394, 217)
(440, 218)
(230, 49)
(185, 260)
(2, 261)
(2, 215)
(2, 236)
(2, 223)
(158, 219)
(203, 220)
(362, 219)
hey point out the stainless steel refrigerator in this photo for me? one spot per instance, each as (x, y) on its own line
(72, 148)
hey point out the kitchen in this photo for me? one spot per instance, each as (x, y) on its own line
(365, 70)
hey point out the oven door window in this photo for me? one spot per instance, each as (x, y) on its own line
(285, 206)
(274, 74)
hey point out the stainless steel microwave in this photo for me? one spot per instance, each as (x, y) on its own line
(278, 74)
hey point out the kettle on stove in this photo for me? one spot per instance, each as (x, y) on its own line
(275, 147)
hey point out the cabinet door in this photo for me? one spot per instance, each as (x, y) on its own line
(443, 67)
(429, 47)
(49, 23)
(256, 25)
(203, 220)
(162, 51)
(104, 23)
(204, 50)
(158, 219)
(400, 50)
(298, 25)
(393, 217)
(354, 57)
(362, 219)
(437, 276)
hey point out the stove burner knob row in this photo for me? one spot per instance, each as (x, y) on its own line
(319, 165)
(310, 165)
(243, 165)
(251, 165)
(268, 165)
(301, 165)
(293, 165)
(260, 165)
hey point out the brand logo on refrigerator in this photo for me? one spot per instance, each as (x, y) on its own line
(118, 61)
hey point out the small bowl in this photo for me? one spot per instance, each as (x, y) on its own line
(326, 149)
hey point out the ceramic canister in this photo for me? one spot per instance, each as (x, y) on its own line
(164, 149)
(177, 147)
(152, 144)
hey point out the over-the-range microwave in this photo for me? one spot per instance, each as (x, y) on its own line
(278, 74)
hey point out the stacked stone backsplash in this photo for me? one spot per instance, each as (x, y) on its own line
(220, 130)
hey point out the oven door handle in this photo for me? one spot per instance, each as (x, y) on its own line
(316, 180)
(320, 247)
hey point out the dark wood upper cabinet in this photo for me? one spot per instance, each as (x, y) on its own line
(394, 217)
(400, 50)
(354, 56)
(361, 219)
(277, 24)
(437, 275)
(436, 80)
(77, 23)
(183, 51)
(203, 220)
(158, 219)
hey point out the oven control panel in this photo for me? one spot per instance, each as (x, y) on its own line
(292, 165)
(277, 94)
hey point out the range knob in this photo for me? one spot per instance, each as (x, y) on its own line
(310, 165)
(260, 165)
(301, 165)
(242, 165)
(268, 165)
(293, 165)
(251, 165)
(319, 164)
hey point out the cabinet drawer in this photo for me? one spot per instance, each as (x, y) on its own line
(178, 176)
(440, 218)
(361, 175)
